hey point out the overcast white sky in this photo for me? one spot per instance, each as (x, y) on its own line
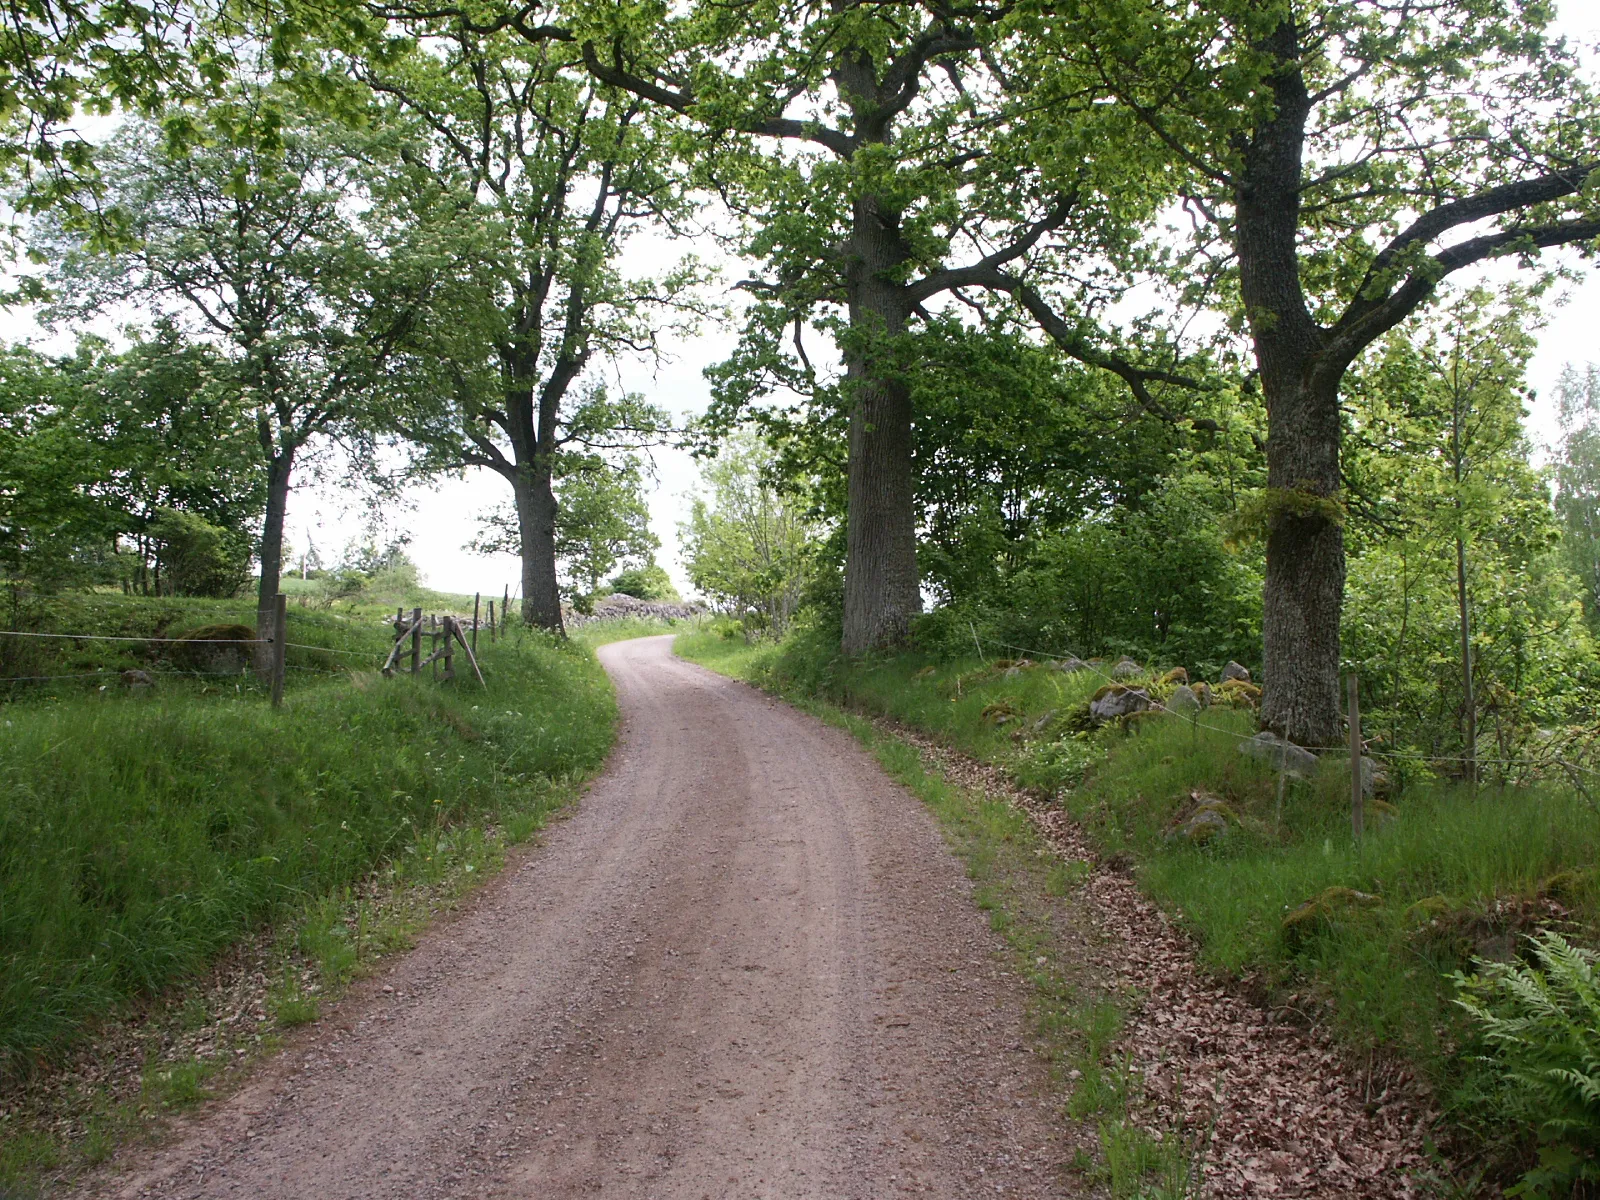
(444, 516)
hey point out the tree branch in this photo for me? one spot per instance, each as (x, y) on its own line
(682, 100)
(980, 273)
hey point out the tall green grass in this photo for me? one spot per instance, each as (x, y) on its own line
(321, 641)
(142, 834)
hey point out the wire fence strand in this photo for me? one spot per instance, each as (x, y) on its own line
(107, 637)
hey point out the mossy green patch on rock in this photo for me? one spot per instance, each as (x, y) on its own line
(218, 649)
(1320, 914)
(1571, 886)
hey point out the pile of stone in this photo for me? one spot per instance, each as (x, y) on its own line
(617, 606)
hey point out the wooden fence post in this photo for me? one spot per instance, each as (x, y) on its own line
(280, 648)
(416, 640)
(449, 626)
(433, 645)
(476, 596)
(491, 622)
(505, 608)
(1357, 799)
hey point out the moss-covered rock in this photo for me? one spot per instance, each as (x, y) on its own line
(215, 649)
(1209, 820)
(1115, 701)
(1323, 912)
(1001, 712)
(1571, 887)
(1237, 692)
(1176, 675)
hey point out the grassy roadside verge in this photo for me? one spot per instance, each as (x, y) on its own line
(185, 875)
(1363, 939)
(1029, 895)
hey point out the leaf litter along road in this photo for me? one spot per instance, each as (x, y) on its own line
(747, 967)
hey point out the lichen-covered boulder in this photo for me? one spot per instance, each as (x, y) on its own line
(1114, 700)
(1183, 700)
(1238, 693)
(1235, 671)
(1126, 668)
(1202, 692)
(1279, 754)
(1070, 665)
(137, 680)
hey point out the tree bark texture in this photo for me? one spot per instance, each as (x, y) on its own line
(1304, 589)
(536, 531)
(882, 589)
(279, 470)
(531, 427)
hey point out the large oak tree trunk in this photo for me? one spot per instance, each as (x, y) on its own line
(536, 531)
(279, 470)
(882, 589)
(881, 592)
(1304, 592)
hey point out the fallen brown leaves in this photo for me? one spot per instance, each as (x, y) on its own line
(1284, 1111)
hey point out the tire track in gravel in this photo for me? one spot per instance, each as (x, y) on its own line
(747, 967)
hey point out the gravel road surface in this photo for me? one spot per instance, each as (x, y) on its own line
(747, 966)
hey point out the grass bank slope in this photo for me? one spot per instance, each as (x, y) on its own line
(1364, 936)
(143, 833)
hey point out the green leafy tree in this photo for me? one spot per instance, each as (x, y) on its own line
(603, 521)
(251, 242)
(1339, 159)
(882, 159)
(749, 547)
(101, 445)
(167, 432)
(1578, 477)
(195, 557)
(534, 180)
(60, 59)
(54, 530)
(647, 582)
(1462, 611)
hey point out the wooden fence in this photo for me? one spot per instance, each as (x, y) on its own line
(443, 634)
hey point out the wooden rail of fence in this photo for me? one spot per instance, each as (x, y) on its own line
(444, 634)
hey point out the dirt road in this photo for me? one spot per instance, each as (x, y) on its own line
(746, 967)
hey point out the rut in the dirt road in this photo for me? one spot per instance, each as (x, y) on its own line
(746, 967)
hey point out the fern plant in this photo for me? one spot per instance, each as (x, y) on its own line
(1543, 1019)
